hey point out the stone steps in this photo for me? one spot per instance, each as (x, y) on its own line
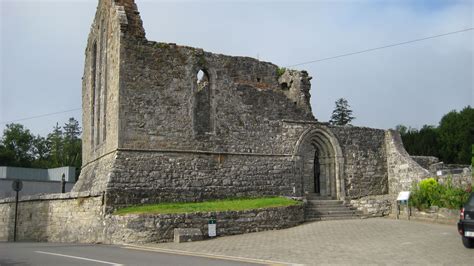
(317, 197)
(326, 209)
(330, 209)
(322, 203)
(330, 218)
(333, 212)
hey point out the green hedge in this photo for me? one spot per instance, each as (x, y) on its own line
(429, 192)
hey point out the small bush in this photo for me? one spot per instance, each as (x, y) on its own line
(280, 71)
(429, 192)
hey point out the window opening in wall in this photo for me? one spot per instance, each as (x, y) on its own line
(202, 80)
(200, 75)
(202, 116)
(284, 86)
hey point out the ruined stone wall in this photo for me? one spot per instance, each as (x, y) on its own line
(147, 228)
(68, 217)
(365, 160)
(160, 90)
(425, 161)
(146, 177)
(403, 171)
(100, 93)
(100, 83)
(461, 178)
(156, 131)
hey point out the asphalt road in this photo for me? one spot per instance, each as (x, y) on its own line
(26, 253)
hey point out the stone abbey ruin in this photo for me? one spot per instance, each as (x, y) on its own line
(156, 131)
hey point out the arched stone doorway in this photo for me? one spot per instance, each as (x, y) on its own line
(319, 164)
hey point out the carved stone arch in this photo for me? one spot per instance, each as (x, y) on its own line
(319, 142)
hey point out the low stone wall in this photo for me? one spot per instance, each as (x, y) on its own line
(374, 206)
(434, 215)
(159, 227)
(80, 217)
(425, 161)
(461, 178)
(68, 217)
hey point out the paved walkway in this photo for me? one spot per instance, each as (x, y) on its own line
(370, 241)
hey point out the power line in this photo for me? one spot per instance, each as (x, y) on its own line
(38, 116)
(379, 48)
(297, 64)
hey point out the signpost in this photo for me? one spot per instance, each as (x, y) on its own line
(63, 184)
(402, 199)
(17, 185)
(212, 232)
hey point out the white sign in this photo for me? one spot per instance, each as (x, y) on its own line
(439, 172)
(212, 230)
(403, 196)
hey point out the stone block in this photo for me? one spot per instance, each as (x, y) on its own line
(187, 235)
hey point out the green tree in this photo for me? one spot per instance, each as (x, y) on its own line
(456, 135)
(72, 144)
(451, 141)
(62, 147)
(55, 139)
(42, 152)
(342, 114)
(16, 146)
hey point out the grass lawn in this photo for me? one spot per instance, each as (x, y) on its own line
(209, 206)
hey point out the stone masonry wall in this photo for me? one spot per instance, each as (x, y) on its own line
(374, 206)
(146, 177)
(462, 178)
(246, 102)
(403, 171)
(159, 227)
(365, 160)
(425, 161)
(68, 217)
(95, 174)
(100, 87)
(100, 92)
(80, 217)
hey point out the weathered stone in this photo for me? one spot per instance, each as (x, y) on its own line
(187, 235)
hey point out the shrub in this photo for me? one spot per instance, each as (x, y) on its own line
(429, 192)
(280, 71)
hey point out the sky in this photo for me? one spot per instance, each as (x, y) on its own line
(42, 46)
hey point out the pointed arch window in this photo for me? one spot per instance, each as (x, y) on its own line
(202, 107)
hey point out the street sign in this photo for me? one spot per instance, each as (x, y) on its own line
(17, 185)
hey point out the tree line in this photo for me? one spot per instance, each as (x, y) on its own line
(451, 141)
(61, 147)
